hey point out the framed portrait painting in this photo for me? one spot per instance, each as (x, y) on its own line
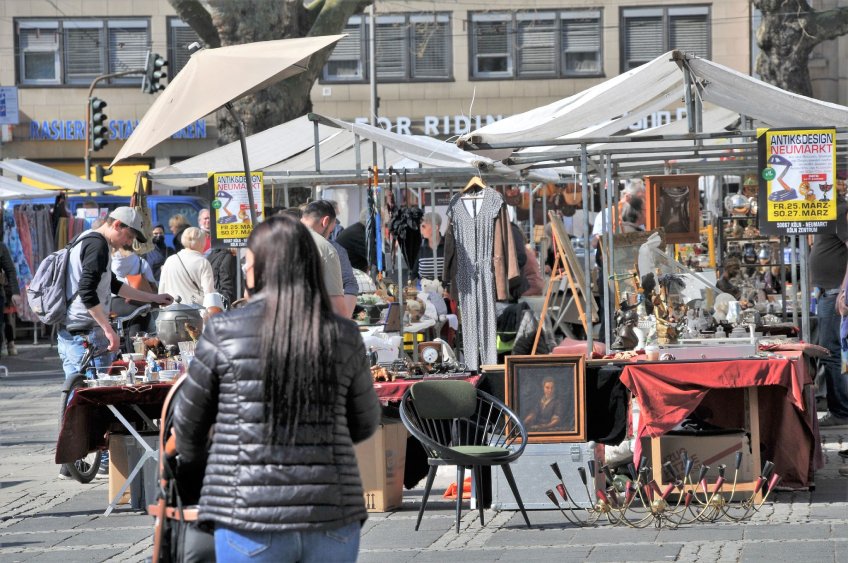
(548, 393)
(673, 203)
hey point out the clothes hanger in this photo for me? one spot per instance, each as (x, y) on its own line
(474, 188)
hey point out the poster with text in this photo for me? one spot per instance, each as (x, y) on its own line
(231, 210)
(797, 177)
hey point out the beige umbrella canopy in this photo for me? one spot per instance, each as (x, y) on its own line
(214, 77)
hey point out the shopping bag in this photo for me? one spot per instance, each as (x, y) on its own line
(138, 201)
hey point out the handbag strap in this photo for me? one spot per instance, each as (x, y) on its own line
(188, 274)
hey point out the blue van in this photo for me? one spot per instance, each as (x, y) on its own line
(162, 207)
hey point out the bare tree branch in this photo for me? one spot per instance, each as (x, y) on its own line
(199, 19)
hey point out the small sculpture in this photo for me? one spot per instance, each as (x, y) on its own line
(625, 320)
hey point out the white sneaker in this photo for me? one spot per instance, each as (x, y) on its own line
(12, 349)
(829, 420)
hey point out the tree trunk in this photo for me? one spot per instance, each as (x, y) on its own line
(237, 21)
(789, 31)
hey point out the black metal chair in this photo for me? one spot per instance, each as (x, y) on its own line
(463, 426)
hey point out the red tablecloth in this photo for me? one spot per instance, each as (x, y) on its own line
(392, 391)
(88, 419)
(669, 391)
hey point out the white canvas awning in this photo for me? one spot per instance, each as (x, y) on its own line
(12, 189)
(264, 149)
(613, 105)
(39, 172)
(748, 96)
(626, 95)
(434, 153)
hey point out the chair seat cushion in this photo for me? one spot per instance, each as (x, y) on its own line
(482, 451)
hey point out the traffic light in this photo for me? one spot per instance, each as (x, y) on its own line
(97, 124)
(153, 73)
(100, 173)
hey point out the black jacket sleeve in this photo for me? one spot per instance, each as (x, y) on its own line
(224, 269)
(197, 401)
(94, 259)
(8, 266)
(363, 408)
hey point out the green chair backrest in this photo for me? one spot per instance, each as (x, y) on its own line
(444, 399)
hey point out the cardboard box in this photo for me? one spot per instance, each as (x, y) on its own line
(118, 467)
(382, 460)
(705, 450)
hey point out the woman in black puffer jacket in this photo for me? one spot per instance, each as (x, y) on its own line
(287, 386)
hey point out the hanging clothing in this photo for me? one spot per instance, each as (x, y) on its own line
(505, 259)
(469, 267)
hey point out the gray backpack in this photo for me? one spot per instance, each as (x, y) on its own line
(46, 292)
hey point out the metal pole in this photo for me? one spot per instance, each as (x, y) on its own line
(316, 140)
(605, 261)
(794, 277)
(530, 208)
(247, 177)
(805, 290)
(587, 252)
(88, 112)
(372, 72)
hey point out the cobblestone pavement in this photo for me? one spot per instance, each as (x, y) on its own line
(45, 519)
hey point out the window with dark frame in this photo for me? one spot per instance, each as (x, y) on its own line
(74, 51)
(536, 44)
(180, 36)
(647, 33)
(409, 47)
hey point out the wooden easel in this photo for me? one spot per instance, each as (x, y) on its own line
(565, 265)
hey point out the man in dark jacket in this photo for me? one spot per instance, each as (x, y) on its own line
(224, 270)
(353, 240)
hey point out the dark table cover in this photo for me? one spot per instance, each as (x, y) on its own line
(87, 418)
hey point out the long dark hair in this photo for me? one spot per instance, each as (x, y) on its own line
(299, 329)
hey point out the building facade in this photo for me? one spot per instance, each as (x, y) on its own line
(442, 67)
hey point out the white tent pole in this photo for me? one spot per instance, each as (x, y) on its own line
(606, 259)
(372, 71)
(587, 251)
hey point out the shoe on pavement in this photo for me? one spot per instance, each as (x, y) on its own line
(104, 464)
(830, 420)
(64, 473)
(843, 470)
(843, 454)
(12, 349)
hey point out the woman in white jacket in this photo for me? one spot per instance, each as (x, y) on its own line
(187, 273)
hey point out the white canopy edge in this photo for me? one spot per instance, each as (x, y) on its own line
(426, 150)
(432, 152)
(264, 149)
(754, 98)
(39, 172)
(608, 100)
(12, 189)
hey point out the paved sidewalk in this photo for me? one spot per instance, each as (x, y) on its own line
(45, 519)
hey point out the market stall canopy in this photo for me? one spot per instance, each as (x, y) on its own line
(12, 189)
(268, 147)
(657, 82)
(215, 77)
(430, 152)
(51, 176)
(620, 101)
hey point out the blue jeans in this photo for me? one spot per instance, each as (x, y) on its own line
(71, 350)
(835, 381)
(321, 546)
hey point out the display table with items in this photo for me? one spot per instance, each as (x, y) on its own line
(778, 414)
(93, 413)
